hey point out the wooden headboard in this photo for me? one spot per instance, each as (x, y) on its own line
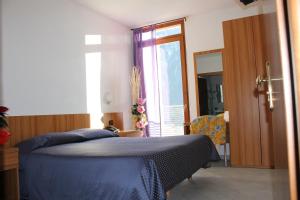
(25, 127)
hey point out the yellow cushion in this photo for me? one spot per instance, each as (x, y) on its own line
(213, 126)
(200, 125)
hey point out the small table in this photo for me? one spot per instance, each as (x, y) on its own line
(131, 133)
(9, 172)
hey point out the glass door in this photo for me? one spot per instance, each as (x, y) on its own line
(170, 89)
(165, 79)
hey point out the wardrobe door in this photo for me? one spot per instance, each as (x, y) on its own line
(240, 93)
(261, 48)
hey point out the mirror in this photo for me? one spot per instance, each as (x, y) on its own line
(209, 82)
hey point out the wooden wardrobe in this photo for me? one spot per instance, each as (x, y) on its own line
(250, 119)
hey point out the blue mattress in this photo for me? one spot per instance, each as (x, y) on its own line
(89, 164)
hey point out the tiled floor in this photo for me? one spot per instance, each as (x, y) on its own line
(220, 183)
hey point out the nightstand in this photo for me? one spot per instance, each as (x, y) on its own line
(9, 173)
(131, 133)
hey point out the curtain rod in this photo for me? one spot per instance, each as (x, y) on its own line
(173, 20)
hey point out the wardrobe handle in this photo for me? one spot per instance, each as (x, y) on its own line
(260, 81)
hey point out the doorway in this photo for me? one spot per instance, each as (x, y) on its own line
(210, 90)
(208, 67)
(209, 82)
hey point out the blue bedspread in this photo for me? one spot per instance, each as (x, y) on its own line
(110, 167)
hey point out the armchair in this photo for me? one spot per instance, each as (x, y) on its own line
(213, 126)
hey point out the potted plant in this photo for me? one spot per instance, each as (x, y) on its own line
(4, 133)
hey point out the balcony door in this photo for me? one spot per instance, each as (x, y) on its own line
(167, 106)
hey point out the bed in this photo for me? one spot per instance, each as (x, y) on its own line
(97, 164)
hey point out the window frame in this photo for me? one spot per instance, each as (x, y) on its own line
(181, 38)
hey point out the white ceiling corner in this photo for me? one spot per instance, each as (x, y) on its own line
(136, 13)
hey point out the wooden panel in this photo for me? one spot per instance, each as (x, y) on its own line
(25, 127)
(9, 173)
(293, 137)
(239, 92)
(265, 114)
(131, 133)
(9, 158)
(117, 118)
(184, 81)
(9, 184)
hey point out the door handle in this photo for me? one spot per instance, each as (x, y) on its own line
(260, 81)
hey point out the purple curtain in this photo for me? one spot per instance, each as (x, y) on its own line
(144, 52)
(138, 56)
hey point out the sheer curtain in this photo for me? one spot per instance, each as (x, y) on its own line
(144, 47)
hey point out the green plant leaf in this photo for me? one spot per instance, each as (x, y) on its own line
(3, 123)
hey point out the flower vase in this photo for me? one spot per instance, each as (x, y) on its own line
(134, 119)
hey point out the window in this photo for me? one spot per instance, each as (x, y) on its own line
(169, 87)
(163, 32)
(168, 31)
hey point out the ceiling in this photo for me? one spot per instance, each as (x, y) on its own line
(136, 13)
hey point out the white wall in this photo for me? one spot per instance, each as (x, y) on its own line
(43, 58)
(209, 63)
(204, 32)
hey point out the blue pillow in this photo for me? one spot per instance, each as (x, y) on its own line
(47, 140)
(90, 134)
(52, 139)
